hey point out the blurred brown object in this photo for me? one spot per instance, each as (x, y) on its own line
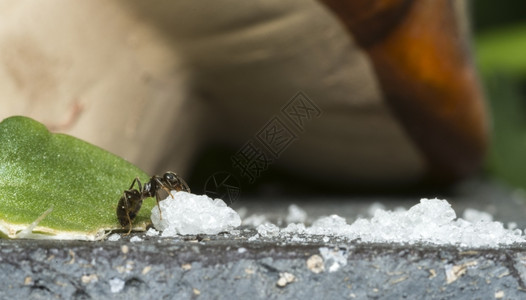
(156, 82)
(423, 63)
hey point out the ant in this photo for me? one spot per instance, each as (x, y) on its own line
(131, 201)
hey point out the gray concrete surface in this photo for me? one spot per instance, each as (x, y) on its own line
(229, 266)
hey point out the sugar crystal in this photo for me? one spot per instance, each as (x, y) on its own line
(294, 228)
(152, 232)
(296, 214)
(334, 258)
(268, 230)
(374, 207)
(187, 213)
(253, 238)
(114, 237)
(255, 220)
(331, 225)
(473, 215)
(135, 239)
(432, 221)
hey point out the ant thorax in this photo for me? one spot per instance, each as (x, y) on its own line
(148, 191)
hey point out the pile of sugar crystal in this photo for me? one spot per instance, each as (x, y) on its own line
(432, 221)
(188, 213)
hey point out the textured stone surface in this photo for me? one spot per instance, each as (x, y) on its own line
(216, 268)
(229, 266)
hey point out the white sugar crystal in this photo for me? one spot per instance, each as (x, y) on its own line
(152, 232)
(333, 258)
(187, 213)
(114, 237)
(332, 225)
(296, 214)
(431, 221)
(294, 228)
(268, 230)
(116, 285)
(511, 225)
(374, 207)
(255, 220)
(473, 216)
(242, 212)
(400, 209)
(135, 239)
(296, 238)
(253, 238)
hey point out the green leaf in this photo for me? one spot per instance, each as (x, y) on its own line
(79, 181)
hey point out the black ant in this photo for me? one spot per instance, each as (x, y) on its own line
(131, 201)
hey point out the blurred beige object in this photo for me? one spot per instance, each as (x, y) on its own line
(93, 70)
(156, 81)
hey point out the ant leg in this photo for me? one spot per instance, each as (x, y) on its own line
(130, 227)
(158, 205)
(184, 186)
(163, 186)
(168, 191)
(138, 183)
(127, 210)
(133, 183)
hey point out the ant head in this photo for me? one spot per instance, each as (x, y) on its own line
(171, 178)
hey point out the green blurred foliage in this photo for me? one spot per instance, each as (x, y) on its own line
(500, 50)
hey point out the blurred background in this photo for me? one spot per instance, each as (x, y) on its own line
(500, 51)
(110, 75)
